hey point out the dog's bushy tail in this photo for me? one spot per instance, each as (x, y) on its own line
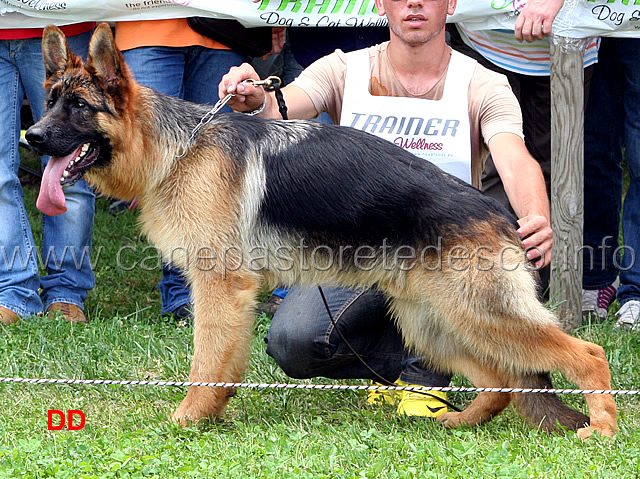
(546, 410)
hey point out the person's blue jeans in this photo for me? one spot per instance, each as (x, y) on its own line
(304, 342)
(191, 73)
(66, 238)
(612, 121)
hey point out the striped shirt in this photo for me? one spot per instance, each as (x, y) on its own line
(501, 48)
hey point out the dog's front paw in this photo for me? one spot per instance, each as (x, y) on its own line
(188, 414)
(184, 419)
(200, 404)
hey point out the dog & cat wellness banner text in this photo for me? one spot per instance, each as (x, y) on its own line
(578, 18)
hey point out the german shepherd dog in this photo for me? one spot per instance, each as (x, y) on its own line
(248, 199)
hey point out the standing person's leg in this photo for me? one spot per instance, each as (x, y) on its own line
(19, 278)
(534, 95)
(203, 71)
(205, 67)
(192, 73)
(602, 182)
(163, 69)
(66, 238)
(160, 68)
(629, 292)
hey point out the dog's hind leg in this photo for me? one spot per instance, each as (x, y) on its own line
(584, 364)
(498, 320)
(526, 352)
(486, 405)
(430, 335)
(223, 317)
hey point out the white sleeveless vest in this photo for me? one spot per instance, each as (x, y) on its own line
(435, 130)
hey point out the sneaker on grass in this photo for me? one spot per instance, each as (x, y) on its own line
(597, 301)
(629, 315)
(379, 396)
(410, 403)
(418, 405)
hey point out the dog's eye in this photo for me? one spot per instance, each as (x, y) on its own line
(50, 102)
(80, 104)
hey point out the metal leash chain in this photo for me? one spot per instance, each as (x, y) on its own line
(203, 121)
(272, 83)
(209, 116)
(327, 387)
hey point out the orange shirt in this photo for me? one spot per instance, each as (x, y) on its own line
(166, 33)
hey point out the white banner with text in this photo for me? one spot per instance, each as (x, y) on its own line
(578, 18)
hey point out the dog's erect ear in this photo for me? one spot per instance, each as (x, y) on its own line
(55, 52)
(105, 60)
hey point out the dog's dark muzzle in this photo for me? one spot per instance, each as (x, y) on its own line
(37, 138)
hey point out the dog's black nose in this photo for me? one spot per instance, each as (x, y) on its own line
(35, 136)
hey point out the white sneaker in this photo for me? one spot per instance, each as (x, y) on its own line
(629, 315)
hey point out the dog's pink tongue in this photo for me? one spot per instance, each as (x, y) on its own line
(51, 199)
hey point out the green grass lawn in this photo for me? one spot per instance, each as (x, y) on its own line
(265, 433)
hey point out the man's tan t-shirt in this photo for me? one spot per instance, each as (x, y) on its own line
(493, 108)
